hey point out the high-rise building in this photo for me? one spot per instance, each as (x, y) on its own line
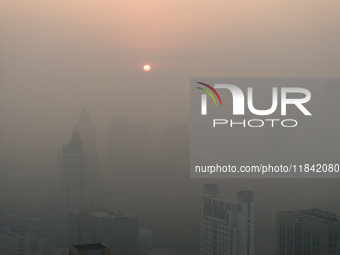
(89, 249)
(311, 231)
(126, 142)
(117, 230)
(14, 242)
(74, 176)
(87, 131)
(227, 227)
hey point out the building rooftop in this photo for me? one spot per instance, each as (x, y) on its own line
(314, 215)
(109, 214)
(14, 230)
(144, 232)
(90, 247)
(7, 231)
(245, 192)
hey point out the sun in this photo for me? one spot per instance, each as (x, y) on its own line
(147, 68)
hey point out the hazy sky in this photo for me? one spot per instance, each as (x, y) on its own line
(58, 57)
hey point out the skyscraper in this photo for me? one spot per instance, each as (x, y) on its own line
(87, 131)
(227, 227)
(74, 176)
(116, 229)
(311, 231)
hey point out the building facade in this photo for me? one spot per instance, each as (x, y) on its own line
(74, 176)
(117, 230)
(145, 239)
(307, 232)
(227, 227)
(87, 131)
(15, 242)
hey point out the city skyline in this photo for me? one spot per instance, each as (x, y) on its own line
(96, 127)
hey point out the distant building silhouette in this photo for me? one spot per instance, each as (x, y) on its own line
(126, 142)
(154, 138)
(118, 139)
(145, 239)
(311, 231)
(330, 138)
(1, 185)
(331, 103)
(87, 131)
(89, 249)
(37, 193)
(13, 169)
(276, 145)
(176, 141)
(117, 230)
(227, 227)
(74, 176)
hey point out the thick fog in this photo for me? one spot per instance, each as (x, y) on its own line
(59, 57)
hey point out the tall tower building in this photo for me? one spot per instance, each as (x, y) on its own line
(311, 231)
(74, 176)
(227, 227)
(87, 131)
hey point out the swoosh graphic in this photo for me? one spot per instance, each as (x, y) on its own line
(207, 85)
(208, 92)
